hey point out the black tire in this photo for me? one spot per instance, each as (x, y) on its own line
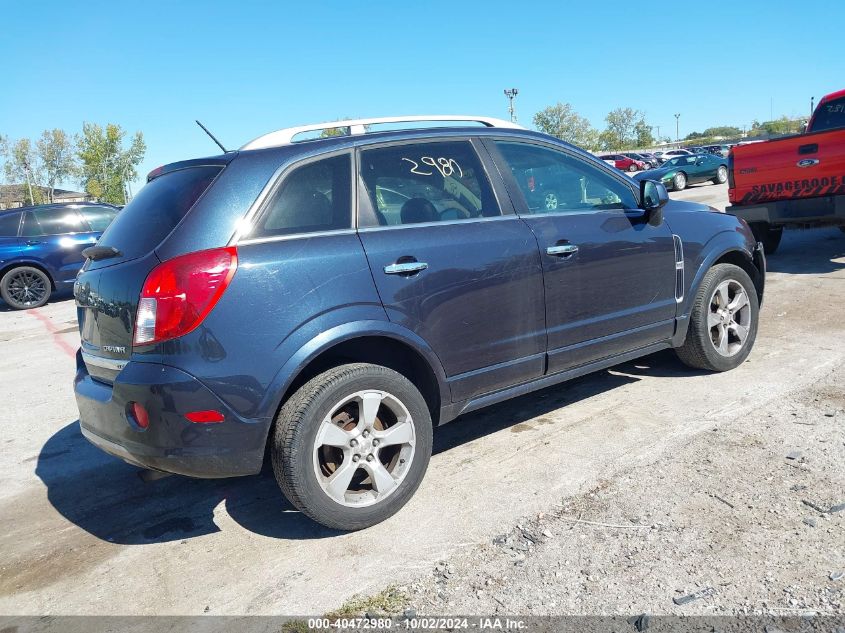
(699, 350)
(768, 234)
(679, 184)
(721, 175)
(36, 288)
(293, 444)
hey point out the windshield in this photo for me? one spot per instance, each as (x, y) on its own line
(679, 161)
(829, 116)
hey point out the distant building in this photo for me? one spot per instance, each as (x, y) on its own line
(14, 196)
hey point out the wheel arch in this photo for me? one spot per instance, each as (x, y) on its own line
(728, 252)
(18, 263)
(377, 342)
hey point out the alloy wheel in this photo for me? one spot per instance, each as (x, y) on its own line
(27, 288)
(729, 317)
(364, 448)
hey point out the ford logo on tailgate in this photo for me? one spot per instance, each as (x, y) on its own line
(808, 162)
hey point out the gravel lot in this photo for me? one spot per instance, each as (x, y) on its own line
(725, 484)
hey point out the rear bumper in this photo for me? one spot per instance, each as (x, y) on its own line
(171, 443)
(820, 210)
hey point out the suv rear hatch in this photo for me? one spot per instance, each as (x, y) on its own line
(108, 287)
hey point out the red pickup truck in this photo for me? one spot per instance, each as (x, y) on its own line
(797, 179)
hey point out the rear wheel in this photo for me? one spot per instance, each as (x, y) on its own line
(351, 446)
(723, 320)
(679, 182)
(769, 235)
(25, 287)
(721, 175)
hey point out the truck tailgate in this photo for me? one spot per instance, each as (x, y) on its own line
(801, 166)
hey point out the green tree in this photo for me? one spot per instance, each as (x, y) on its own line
(621, 124)
(58, 161)
(21, 164)
(105, 165)
(561, 121)
(778, 127)
(642, 132)
(725, 131)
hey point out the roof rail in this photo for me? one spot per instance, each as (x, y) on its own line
(359, 126)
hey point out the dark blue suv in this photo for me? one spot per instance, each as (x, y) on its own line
(41, 248)
(332, 300)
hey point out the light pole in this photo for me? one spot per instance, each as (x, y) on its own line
(510, 93)
(677, 128)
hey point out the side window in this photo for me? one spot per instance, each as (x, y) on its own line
(426, 182)
(314, 197)
(52, 221)
(556, 182)
(9, 224)
(98, 218)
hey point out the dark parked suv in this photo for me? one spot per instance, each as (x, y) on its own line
(41, 248)
(335, 299)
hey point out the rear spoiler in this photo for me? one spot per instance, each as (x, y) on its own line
(216, 161)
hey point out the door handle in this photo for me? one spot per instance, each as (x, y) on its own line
(809, 148)
(33, 242)
(405, 268)
(563, 250)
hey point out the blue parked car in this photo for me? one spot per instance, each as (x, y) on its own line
(332, 300)
(41, 248)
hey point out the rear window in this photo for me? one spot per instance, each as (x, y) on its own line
(156, 210)
(98, 218)
(830, 115)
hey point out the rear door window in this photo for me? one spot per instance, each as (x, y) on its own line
(52, 221)
(426, 182)
(314, 197)
(98, 218)
(156, 210)
(9, 224)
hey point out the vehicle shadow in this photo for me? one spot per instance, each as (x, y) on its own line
(57, 297)
(107, 498)
(809, 252)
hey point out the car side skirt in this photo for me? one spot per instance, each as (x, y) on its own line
(450, 412)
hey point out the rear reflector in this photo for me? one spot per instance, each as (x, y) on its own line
(179, 293)
(138, 414)
(204, 417)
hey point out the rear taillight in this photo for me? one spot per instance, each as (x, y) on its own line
(179, 293)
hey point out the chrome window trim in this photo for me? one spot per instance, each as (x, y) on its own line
(294, 236)
(368, 229)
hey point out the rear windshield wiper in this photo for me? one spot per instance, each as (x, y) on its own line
(101, 252)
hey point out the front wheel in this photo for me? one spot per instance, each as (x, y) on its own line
(679, 182)
(721, 175)
(351, 446)
(25, 287)
(632, 168)
(723, 320)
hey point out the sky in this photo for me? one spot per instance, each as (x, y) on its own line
(245, 68)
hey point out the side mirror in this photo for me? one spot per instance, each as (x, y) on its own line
(653, 197)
